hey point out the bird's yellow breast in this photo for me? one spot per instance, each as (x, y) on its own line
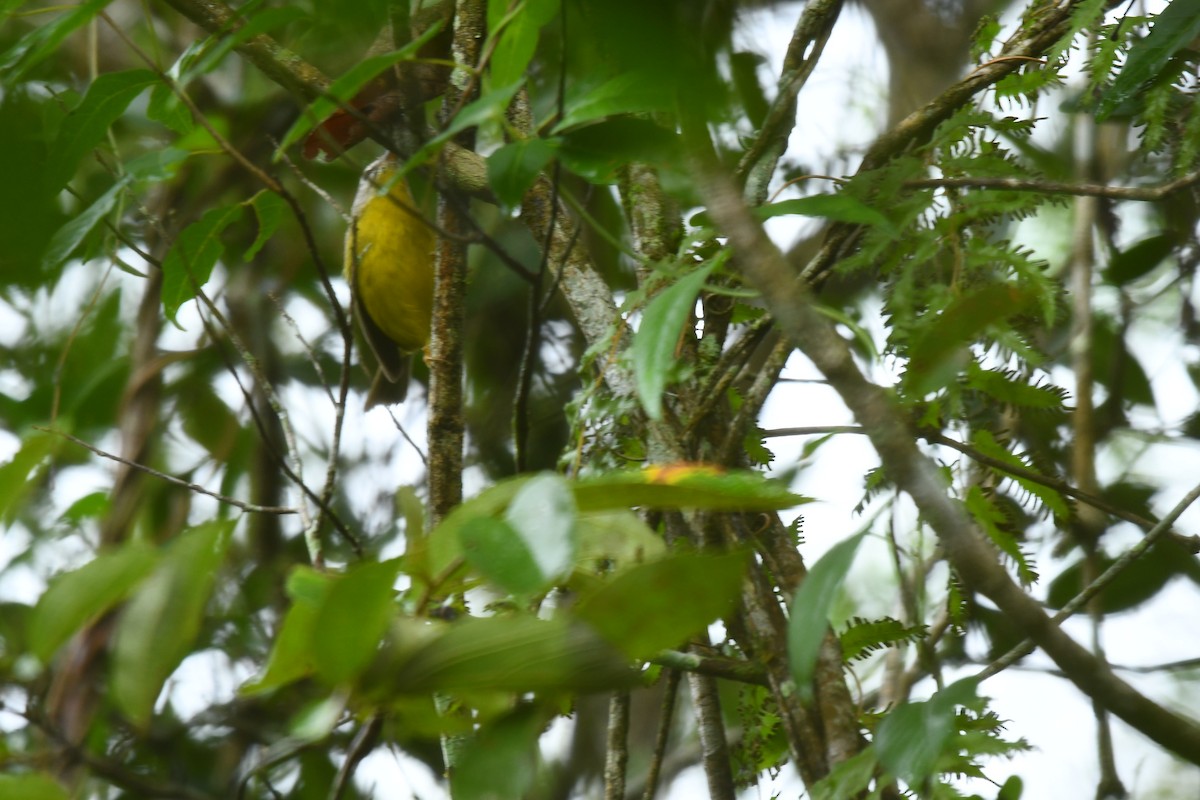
(389, 259)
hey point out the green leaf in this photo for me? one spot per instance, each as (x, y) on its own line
(1174, 29)
(849, 779)
(31, 786)
(984, 442)
(617, 538)
(1139, 259)
(86, 125)
(292, 654)
(912, 737)
(343, 90)
(837, 207)
(514, 167)
(190, 261)
(629, 93)
(514, 654)
(518, 36)
(543, 515)
(657, 336)
(499, 554)
(680, 486)
(67, 238)
(17, 476)
(162, 620)
(78, 597)
(488, 107)
(500, 760)
(268, 210)
(939, 350)
(655, 606)
(597, 152)
(353, 619)
(808, 619)
(43, 41)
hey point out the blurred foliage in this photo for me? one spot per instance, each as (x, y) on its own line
(192, 608)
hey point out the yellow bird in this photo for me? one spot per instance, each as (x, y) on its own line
(389, 266)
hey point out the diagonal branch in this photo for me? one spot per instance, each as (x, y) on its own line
(790, 302)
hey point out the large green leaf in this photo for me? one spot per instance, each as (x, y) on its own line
(501, 759)
(655, 606)
(75, 598)
(43, 41)
(160, 624)
(31, 786)
(351, 622)
(498, 553)
(808, 618)
(513, 168)
(514, 654)
(654, 346)
(88, 123)
(683, 486)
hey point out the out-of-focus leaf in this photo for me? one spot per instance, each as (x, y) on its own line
(291, 655)
(43, 41)
(679, 486)
(1174, 29)
(939, 349)
(655, 606)
(31, 786)
(851, 778)
(808, 619)
(16, 477)
(617, 537)
(658, 335)
(1139, 259)
(515, 654)
(292, 652)
(90, 506)
(75, 598)
(498, 553)
(628, 93)
(912, 737)
(1134, 585)
(518, 38)
(837, 207)
(160, 624)
(501, 759)
(597, 152)
(351, 622)
(543, 514)
(1113, 360)
(190, 261)
(269, 209)
(513, 168)
(86, 125)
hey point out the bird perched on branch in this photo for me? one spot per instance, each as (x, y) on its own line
(389, 266)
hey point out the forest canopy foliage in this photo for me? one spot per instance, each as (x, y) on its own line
(222, 578)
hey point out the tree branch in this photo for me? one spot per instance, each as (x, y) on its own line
(973, 560)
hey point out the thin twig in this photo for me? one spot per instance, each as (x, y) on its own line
(192, 487)
(1094, 588)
